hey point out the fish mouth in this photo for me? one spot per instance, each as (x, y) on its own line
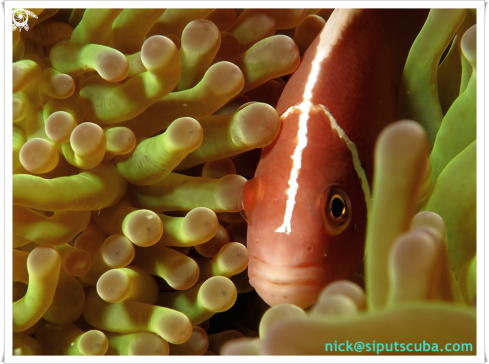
(298, 285)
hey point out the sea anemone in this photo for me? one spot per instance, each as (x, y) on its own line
(126, 128)
(134, 131)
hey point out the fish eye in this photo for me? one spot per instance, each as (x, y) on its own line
(336, 210)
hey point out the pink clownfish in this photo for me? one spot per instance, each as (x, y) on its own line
(307, 205)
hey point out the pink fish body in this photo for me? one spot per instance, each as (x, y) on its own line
(307, 204)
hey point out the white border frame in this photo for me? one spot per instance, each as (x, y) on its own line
(6, 224)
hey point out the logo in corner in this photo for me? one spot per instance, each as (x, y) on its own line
(20, 18)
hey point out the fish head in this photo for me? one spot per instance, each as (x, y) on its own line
(306, 227)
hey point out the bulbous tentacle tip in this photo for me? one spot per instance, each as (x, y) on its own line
(112, 65)
(400, 130)
(278, 313)
(431, 219)
(43, 260)
(468, 44)
(157, 52)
